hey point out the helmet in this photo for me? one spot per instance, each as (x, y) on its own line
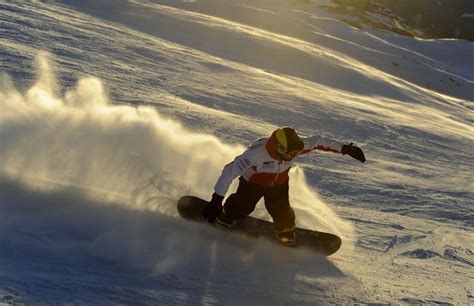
(284, 144)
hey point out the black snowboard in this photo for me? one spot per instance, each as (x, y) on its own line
(190, 208)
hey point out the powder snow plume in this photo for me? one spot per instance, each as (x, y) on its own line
(130, 155)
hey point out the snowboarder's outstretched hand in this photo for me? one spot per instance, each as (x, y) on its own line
(212, 209)
(353, 151)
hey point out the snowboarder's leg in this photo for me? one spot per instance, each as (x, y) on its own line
(277, 204)
(242, 203)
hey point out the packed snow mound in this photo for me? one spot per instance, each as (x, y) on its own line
(464, 256)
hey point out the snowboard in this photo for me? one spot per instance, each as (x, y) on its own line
(190, 208)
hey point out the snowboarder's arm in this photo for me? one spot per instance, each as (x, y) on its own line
(321, 143)
(331, 145)
(231, 171)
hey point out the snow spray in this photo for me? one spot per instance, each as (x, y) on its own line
(129, 154)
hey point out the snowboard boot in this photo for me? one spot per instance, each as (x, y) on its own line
(287, 237)
(223, 220)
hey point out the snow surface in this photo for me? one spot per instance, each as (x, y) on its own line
(111, 110)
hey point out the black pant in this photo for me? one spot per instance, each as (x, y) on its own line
(277, 203)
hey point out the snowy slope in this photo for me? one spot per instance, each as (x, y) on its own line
(111, 110)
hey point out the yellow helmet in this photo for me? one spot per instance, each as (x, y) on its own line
(285, 143)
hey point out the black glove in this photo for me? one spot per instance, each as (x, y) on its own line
(353, 151)
(212, 209)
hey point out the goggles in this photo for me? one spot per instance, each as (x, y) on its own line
(283, 152)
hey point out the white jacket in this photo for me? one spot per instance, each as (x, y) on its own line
(259, 164)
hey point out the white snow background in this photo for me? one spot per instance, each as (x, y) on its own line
(112, 110)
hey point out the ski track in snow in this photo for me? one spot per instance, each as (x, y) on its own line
(90, 173)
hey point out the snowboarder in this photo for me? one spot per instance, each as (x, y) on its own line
(263, 169)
